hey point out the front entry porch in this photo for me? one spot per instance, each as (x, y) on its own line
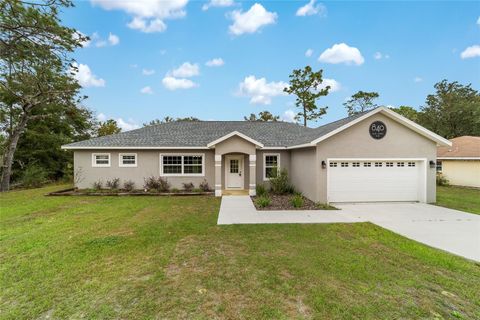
(241, 192)
(235, 174)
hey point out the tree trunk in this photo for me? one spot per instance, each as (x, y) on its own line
(10, 152)
(304, 117)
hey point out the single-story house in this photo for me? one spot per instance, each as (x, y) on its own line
(372, 156)
(460, 162)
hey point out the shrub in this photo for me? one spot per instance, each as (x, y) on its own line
(129, 185)
(158, 184)
(113, 184)
(33, 176)
(204, 186)
(441, 180)
(261, 190)
(188, 186)
(280, 184)
(263, 201)
(97, 185)
(297, 200)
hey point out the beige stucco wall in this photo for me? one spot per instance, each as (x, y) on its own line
(284, 163)
(355, 142)
(148, 164)
(235, 144)
(462, 172)
(303, 171)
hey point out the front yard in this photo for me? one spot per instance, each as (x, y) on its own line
(464, 199)
(165, 257)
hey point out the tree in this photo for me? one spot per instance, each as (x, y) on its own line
(408, 112)
(262, 116)
(108, 127)
(307, 86)
(452, 111)
(35, 69)
(168, 119)
(360, 102)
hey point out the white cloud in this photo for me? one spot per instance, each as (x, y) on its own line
(308, 53)
(311, 9)
(334, 85)
(217, 62)
(471, 52)
(172, 83)
(378, 55)
(86, 78)
(113, 39)
(289, 116)
(417, 79)
(128, 125)
(186, 70)
(252, 20)
(148, 16)
(478, 21)
(146, 90)
(260, 91)
(148, 72)
(342, 53)
(217, 3)
(77, 35)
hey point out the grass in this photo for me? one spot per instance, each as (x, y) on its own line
(165, 257)
(465, 199)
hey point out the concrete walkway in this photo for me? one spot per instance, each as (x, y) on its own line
(240, 210)
(454, 231)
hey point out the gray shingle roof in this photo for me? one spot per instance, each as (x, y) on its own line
(200, 133)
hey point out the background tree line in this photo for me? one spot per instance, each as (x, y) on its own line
(41, 107)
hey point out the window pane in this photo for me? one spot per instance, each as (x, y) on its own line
(271, 161)
(192, 160)
(271, 172)
(128, 159)
(192, 169)
(101, 159)
(172, 169)
(172, 160)
(233, 166)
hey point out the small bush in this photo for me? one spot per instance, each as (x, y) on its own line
(441, 180)
(113, 184)
(261, 190)
(129, 185)
(33, 176)
(297, 200)
(158, 184)
(175, 190)
(263, 201)
(280, 184)
(204, 186)
(97, 185)
(188, 186)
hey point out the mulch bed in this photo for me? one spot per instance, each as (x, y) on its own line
(282, 202)
(76, 192)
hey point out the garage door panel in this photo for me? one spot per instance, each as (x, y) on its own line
(364, 184)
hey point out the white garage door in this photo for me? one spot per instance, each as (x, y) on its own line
(376, 180)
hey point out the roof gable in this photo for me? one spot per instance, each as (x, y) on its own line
(232, 134)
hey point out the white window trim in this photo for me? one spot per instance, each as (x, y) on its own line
(120, 160)
(94, 162)
(182, 174)
(265, 167)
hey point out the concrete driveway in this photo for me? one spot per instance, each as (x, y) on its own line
(454, 231)
(450, 230)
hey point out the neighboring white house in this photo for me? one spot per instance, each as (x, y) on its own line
(460, 163)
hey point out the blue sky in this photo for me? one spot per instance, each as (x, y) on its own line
(148, 60)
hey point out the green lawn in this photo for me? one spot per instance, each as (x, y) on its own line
(152, 257)
(465, 199)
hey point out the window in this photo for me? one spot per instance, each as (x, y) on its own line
(356, 164)
(182, 165)
(127, 160)
(333, 164)
(344, 164)
(367, 164)
(101, 160)
(234, 166)
(378, 164)
(400, 164)
(389, 164)
(439, 166)
(272, 165)
(411, 164)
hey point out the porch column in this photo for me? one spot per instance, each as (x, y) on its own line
(253, 175)
(218, 175)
